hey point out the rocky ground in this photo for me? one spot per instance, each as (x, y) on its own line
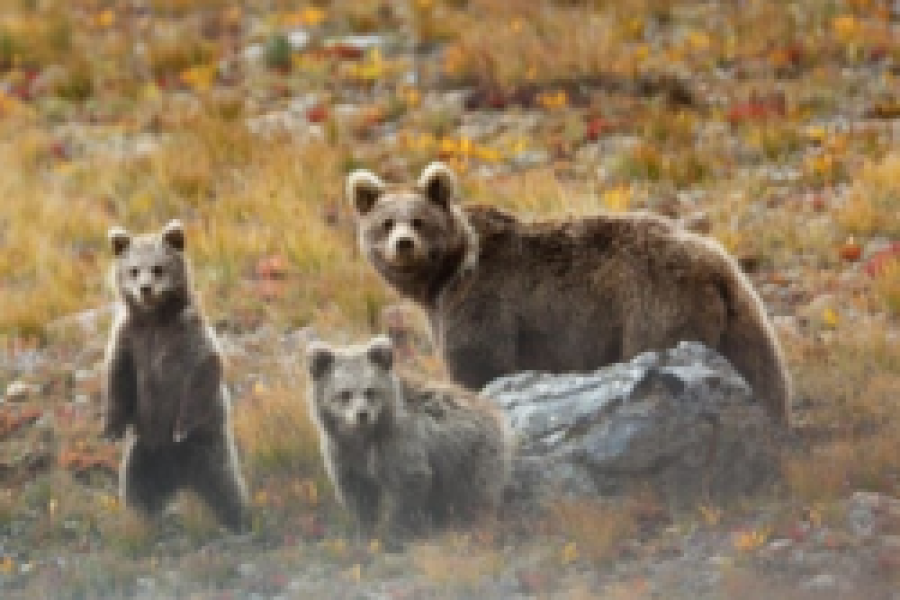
(773, 127)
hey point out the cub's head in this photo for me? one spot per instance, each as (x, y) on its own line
(150, 269)
(354, 391)
(412, 234)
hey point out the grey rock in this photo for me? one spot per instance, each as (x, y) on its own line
(298, 39)
(681, 420)
(822, 581)
(19, 391)
(254, 53)
(530, 158)
(246, 569)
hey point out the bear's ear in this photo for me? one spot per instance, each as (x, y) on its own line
(319, 358)
(438, 183)
(173, 235)
(381, 352)
(364, 188)
(119, 240)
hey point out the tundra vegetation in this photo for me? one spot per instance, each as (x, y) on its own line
(771, 126)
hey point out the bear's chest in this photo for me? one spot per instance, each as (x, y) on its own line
(163, 360)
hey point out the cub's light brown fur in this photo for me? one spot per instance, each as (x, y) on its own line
(402, 453)
(164, 380)
(505, 295)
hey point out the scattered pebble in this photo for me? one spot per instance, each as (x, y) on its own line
(822, 581)
(20, 391)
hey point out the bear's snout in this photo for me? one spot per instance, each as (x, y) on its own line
(403, 245)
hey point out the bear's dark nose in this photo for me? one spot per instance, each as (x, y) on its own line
(145, 290)
(362, 417)
(404, 245)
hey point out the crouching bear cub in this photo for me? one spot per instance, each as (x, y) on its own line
(403, 454)
(504, 295)
(164, 380)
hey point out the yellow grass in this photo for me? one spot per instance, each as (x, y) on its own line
(594, 531)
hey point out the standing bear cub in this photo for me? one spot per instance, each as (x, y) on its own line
(164, 379)
(504, 295)
(403, 454)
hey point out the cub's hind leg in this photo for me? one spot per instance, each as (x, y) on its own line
(210, 467)
(148, 480)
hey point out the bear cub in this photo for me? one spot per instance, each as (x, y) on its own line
(506, 295)
(404, 454)
(164, 380)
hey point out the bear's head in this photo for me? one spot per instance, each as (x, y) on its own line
(354, 391)
(150, 270)
(412, 234)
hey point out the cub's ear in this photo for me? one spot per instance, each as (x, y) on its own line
(381, 352)
(119, 240)
(364, 188)
(173, 235)
(438, 183)
(319, 358)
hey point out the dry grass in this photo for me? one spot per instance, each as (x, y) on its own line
(275, 433)
(456, 561)
(873, 203)
(854, 381)
(596, 530)
(547, 43)
(887, 285)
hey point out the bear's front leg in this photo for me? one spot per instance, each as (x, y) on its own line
(120, 391)
(360, 495)
(407, 478)
(147, 477)
(406, 510)
(209, 464)
(201, 401)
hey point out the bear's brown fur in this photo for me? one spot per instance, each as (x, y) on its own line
(504, 295)
(402, 453)
(164, 379)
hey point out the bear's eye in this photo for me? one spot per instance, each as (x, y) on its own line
(344, 397)
(157, 270)
(388, 224)
(417, 224)
(133, 271)
(369, 394)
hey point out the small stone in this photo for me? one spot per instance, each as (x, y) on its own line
(822, 581)
(720, 561)
(246, 569)
(81, 375)
(298, 39)
(862, 520)
(891, 541)
(530, 158)
(254, 53)
(19, 391)
(780, 544)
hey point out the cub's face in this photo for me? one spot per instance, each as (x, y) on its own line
(353, 388)
(408, 232)
(150, 269)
